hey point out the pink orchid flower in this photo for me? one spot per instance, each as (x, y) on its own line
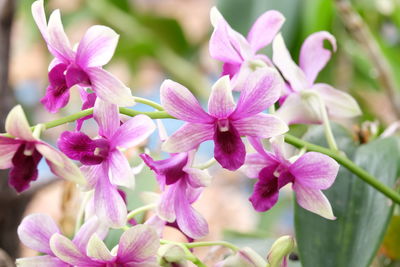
(82, 67)
(301, 103)
(309, 174)
(225, 121)
(239, 54)
(23, 153)
(105, 166)
(181, 186)
(137, 246)
(37, 230)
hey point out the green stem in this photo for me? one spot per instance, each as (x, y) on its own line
(149, 103)
(137, 211)
(212, 243)
(348, 164)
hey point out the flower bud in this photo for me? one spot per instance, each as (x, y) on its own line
(245, 257)
(172, 255)
(282, 247)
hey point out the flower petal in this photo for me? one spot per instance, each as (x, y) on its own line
(220, 103)
(17, 125)
(197, 177)
(96, 47)
(107, 117)
(315, 170)
(226, 44)
(69, 171)
(50, 154)
(24, 169)
(229, 149)
(98, 250)
(8, 147)
(65, 250)
(314, 201)
(262, 89)
(254, 163)
(313, 55)
(109, 205)
(261, 125)
(181, 103)
(36, 230)
(296, 111)
(91, 174)
(166, 206)
(110, 88)
(138, 244)
(264, 29)
(41, 261)
(133, 132)
(266, 191)
(120, 171)
(58, 40)
(290, 71)
(55, 98)
(339, 104)
(39, 16)
(188, 137)
(188, 219)
(89, 228)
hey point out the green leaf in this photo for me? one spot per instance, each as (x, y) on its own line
(362, 212)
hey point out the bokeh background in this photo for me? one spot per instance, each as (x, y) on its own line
(162, 39)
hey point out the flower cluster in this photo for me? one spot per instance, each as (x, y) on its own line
(233, 126)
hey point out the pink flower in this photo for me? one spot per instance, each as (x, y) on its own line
(239, 54)
(23, 153)
(137, 246)
(106, 166)
(225, 121)
(299, 104)
(309, 174)
(82, 67)
(181, 186)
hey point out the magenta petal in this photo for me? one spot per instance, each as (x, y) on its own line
(90, 227)
(88, 102)
(220, 103)
(254, 164)
(188, 137)
(230, 69)
(262, 89)
(261, 125)
(24, 169)
(96, 47)
(36, 230)
(166, 206)
(107, 117)
(188, 219)
(120, 171)
(8, 147)
(171, 168)
(79, 146)
(229, 149)
(109, 205)
(313, 54)
(181, 103)
(138, 245)
(315, 170)
(266, 191)
(55, 98)
(264, 29)
(42, 261)
(75, 75)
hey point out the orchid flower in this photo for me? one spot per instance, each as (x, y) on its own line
(137, 246)
(225, 121)
(36, 232)
(82, 67)
(106, 167)
(239, 54)
(309, 174)
(304, 99)
(24, 150)
(181, 185)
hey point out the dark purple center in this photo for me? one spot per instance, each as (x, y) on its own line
(24, 170)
